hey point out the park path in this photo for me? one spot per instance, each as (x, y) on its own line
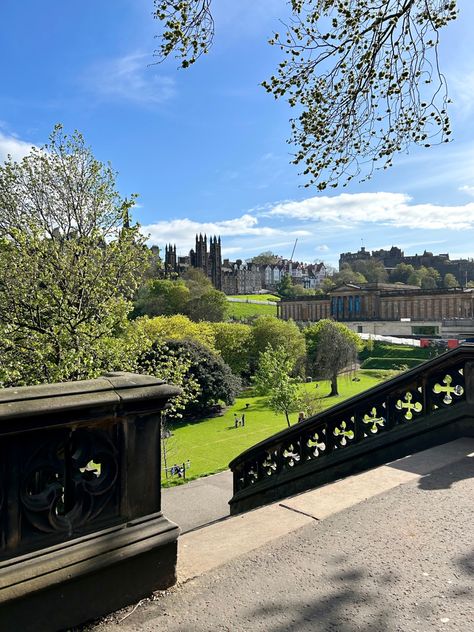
(198, 502)
(389, 550)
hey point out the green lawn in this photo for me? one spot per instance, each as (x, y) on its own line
(249, 310)
(211, 443)
(388, 356)
(256, 297)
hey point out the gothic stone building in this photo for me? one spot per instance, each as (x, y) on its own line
(240, 277)
(210, 262)
(381, 302)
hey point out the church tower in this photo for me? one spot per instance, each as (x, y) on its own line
(200, 254)
(215, 262)
(171, 262)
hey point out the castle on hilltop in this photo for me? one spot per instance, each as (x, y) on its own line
(240, 277)
(461, 269)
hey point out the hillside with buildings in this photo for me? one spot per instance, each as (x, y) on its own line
(241, 277)
(461, 269)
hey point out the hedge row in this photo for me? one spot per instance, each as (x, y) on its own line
(391, 363)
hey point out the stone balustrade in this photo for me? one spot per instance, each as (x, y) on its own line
(429, 405)
(81, 527)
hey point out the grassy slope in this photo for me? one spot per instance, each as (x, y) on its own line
(388, 356)
(211, 443)
(247, 310)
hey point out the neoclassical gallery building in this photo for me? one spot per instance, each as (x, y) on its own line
(384, 308)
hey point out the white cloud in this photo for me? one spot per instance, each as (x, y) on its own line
(467, 189)
(390, 209)
(130, 78)
(11, 145)
(182, 231)
(322, 248)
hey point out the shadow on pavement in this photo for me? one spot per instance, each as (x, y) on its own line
(447, 476)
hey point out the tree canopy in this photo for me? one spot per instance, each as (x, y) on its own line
(202, 367)
(268, 331)
(267, 257)
(194, 296)
(363, 76)
(274, 379)
(233, 341)
(162, 297)
(331, 347)
(69, 263)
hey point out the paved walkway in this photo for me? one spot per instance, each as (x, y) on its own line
(389, 550)
(199, 502)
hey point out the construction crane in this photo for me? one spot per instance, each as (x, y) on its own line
(294, 248)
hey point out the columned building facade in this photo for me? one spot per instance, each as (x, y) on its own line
(381, 302)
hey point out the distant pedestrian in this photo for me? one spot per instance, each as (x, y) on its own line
(301, 416)
(242, 421)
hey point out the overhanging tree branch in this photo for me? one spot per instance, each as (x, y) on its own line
(363, 75)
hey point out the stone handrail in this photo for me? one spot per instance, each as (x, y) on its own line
(81, 527)
(426, 406)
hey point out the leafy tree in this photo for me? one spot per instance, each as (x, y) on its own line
(177, 327)
(197, 282)
(268, 331)
(427, 278)
(211, 306)
(168, 364)
(233, 341)
(162, 297)
(328, 284)
(402, 273)
(274, 379)
(215, 379)
(308, 402)
(414, 278)
(364, 76)
(371, 269)
(428, 283)
(347, 275)
(267, 257)
(70, 262)
(450, 280)
(331, 347)
(285, 286)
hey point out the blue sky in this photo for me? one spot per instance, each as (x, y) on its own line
(206, 148)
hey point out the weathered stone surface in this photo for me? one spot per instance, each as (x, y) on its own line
(80, 500)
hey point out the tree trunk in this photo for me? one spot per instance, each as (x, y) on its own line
(334, 390)
(287, 419)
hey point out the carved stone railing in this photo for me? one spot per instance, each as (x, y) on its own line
(81, 527)
(426, 406)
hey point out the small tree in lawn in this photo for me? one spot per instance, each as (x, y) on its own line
(309, 404)
(331, 347)
(273, 379)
